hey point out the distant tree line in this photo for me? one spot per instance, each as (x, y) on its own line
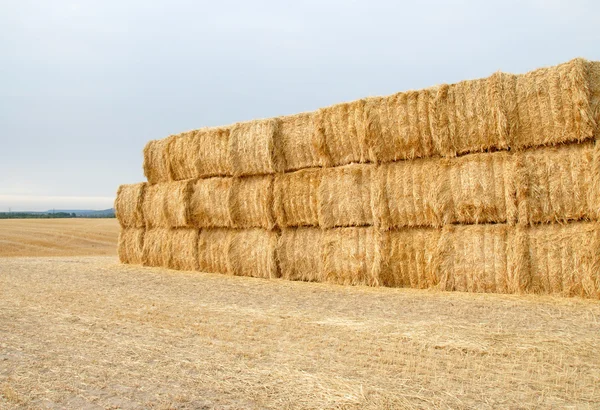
(50, 215)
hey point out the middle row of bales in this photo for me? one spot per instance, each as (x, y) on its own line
(555, 184)
(544, 107)
(557, 259)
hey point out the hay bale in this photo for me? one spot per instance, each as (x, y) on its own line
(412, 193)
(131, 245)
(200, 154)
(413, 258)
(251, 202)
(128, 205)
(252, 252)
(482, 188)
(167, 205)
(558, 184)
(340, 134)
(565, 259)
(254, 149)
(474, 258)
(553, 105)
(300, 254)
(156, 250)
(296, 136)
(296, 198)
(209, 202)
(156, 160)
(351, 256)
(399, 127)
(345, 196)
(213, 250)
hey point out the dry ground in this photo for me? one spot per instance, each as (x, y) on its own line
(86, 332)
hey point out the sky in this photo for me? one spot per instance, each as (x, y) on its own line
(85, 84)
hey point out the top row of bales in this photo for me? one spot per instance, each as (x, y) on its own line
(547, 106)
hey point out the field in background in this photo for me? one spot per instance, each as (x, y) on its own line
(58, 237)
(85, 332)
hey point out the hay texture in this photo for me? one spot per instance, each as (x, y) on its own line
(241, 252)
(202, 153)
(131, 245)
(157, 166)
(167, 205)
(171, 248)
(558, 184)
(296, 198)
(300, 146)
(128, 205)
(254, 148)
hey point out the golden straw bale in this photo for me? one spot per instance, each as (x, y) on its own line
(296, 198)
(213, 250)
(131, 245)
(474, 258)
(128, 205)
(251, 202)
(209, 202)
(156, 160)
(412, 193)
(594, 89)
(399, 126)
(252, 252)
(481, 188)
(558, 184)
(553, 105)
(341, 133)
(156, 251)
(297, 140)
(300, 254)
(565, 259)
(351, 256)
(413, 259)
(167, 205)
(345, 196)
(183, 246)
(201, 153)
(253, 148)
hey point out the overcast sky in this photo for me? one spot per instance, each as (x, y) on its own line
(85, 84)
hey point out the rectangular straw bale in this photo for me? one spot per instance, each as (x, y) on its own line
(553, 105)
(469, 116)
(412, 193)
(298, 145)
(565, 259)
(252, 252)
(183, 246)
(213, 250)
(474, 258)
(398, 126)
(351, 256)
(209, 202)
(341, 133)
(558, 184)
(254, 148)
(156, 160)
(156, 250)
(413, 258)
(300, 254)
(345, 196)
(167, 205)
(131, 245)
(594, 88)
(482, 188)
(128, 205)
(251, 202)
(201, 153)
(296, 197)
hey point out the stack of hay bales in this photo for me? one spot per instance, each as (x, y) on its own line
(489, 185)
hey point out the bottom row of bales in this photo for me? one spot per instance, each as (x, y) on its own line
(560, 259)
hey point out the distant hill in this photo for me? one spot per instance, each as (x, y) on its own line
(60, 213)
(85, 212)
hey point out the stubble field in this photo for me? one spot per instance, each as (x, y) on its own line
(78, 330)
